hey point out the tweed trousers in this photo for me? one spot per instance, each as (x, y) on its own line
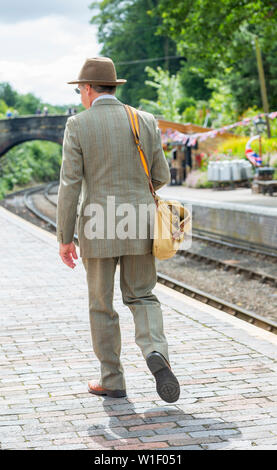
(137, 279)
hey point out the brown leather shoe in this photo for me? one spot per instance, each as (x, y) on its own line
(96, 389)
(167, 384)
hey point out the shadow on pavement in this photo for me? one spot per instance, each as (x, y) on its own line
(161, 427)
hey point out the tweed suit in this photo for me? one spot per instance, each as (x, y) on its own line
(101, 161)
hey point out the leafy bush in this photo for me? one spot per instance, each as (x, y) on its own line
(236, 148)
(198, 179)
(169, 94)
(30, 162)
(3, 108)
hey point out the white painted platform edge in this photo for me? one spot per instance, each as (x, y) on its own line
(231, 206)
(253, 330)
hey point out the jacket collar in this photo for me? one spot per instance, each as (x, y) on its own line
(106, 101)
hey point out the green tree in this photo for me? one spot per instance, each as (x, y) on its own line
(169, 94)
(216, 36)
(192, 79)
(208, 29)
(243, 78)
(128, 35)
(8, 94)
(3, 108)
(221, 104)
(27, 104)
(172, 103)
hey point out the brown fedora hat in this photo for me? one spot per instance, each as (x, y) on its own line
(99, 71)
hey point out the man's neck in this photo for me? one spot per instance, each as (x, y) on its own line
(103, 96)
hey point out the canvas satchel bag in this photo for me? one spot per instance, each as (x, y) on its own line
(172, 223)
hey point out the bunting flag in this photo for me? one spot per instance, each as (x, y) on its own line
(252, 156)
(175, 136)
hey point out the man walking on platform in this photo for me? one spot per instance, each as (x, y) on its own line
(101, 162)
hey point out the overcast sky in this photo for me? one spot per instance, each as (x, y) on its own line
(44, 44)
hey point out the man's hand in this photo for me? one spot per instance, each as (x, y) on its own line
(67, 253)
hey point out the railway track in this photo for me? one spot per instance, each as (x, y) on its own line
(251, 248)
(226, 265)
(220, 304)
(198, 235)
(31, 206)
(181, 287)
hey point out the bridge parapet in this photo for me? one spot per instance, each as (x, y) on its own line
(14, 131)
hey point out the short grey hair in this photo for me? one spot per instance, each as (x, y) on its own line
(104, 89)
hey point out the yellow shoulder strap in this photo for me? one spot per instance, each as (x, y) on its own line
(133, 117)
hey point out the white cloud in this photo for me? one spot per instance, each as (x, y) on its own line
(41, 55)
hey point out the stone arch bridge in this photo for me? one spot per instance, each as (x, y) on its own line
(14, 131)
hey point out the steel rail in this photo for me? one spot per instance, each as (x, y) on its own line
(228, 266)
(219, 304)
(251, 248)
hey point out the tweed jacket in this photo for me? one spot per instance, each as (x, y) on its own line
(101, 167)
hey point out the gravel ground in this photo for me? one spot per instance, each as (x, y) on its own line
(235, 288)
(258, 263)
(16, 205)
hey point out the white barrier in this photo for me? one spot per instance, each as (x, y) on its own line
(234, 170)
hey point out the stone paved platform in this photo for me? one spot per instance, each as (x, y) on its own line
(226, 367)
